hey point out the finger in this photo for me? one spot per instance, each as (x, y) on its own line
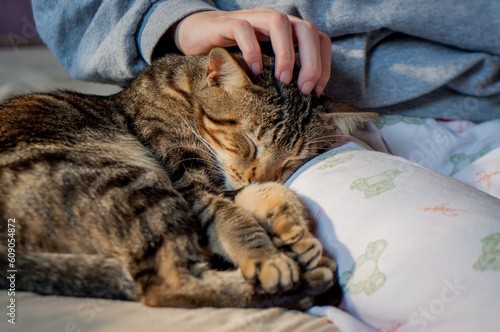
(272, 25)
(280, 32)
(242, 32)
(309, 54)
(325, 44)
(200, 32)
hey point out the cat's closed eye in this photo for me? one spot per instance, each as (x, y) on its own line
(253, 150)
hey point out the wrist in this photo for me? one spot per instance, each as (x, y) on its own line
(174, 32)
(181, 30)
(170, 40)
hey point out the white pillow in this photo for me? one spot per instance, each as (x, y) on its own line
(417, 250)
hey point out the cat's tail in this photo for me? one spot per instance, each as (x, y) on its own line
(82, 275)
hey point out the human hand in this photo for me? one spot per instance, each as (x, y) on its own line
(198, 33)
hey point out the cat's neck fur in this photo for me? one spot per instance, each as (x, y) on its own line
(174, 85)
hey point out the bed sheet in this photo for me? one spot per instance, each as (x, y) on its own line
(416, 231)
(460, 149)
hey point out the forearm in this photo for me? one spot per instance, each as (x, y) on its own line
(105, 40)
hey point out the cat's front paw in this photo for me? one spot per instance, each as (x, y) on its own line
(284, 216)
(277, 272)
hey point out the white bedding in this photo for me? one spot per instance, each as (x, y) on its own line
(417, 249)
(428, 242)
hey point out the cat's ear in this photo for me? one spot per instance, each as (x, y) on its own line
(225, 71)
(346, 118)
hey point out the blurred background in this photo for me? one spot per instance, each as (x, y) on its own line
(26, 64)
(17, 27)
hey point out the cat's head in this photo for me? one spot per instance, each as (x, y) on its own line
(260, 129)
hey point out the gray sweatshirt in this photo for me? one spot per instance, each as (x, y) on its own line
(420, 57)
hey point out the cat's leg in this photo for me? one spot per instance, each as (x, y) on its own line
(172, 270)
(184, 283)
(157, 237)
(239, 237)
(83, 275)
(287, 220)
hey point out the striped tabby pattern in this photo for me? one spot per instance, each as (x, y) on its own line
(141, 195)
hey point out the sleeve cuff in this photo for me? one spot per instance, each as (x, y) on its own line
(160, 17)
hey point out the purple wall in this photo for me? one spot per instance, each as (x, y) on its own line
(16, 21)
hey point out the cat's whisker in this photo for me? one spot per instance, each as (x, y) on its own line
(332, 135)
(201, 139)
(204, 161)
(325, 139)
(191, 147)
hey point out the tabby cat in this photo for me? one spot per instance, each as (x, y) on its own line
(143, 194)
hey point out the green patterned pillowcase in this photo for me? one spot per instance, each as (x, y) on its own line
(416, 249)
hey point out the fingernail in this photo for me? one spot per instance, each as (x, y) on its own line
(307, 87)
(255, 67)
(285, 76)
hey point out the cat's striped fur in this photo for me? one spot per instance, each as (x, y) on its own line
(129, 196)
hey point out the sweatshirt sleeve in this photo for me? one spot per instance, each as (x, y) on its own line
(108, 41)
